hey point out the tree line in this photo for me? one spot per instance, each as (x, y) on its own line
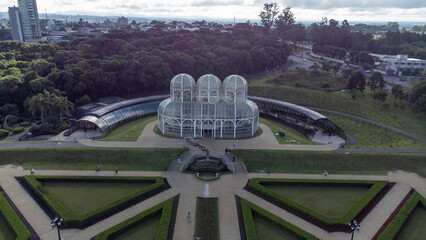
(127, 64)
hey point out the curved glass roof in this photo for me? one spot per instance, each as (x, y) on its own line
(182, 81)
(235, 83)
(306, 111)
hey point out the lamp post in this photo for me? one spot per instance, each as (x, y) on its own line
(354, 226)
(57, 222)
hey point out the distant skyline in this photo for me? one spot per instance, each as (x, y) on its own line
(304, 10)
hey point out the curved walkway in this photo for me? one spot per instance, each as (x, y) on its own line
(225, 188)
(372, 122)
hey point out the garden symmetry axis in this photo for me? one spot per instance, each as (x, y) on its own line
(208, 108)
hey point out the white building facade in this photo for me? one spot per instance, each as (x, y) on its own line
(208, 108)
(396, 64)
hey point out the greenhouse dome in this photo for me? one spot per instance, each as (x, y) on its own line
(208, 114)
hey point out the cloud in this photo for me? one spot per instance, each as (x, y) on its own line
(364, 4)
(203, 3)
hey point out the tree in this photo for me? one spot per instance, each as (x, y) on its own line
(336, 68)
(420, 106)
(326, 67)
(268, 16)
(396, 91)
(376, 81)
(39, 104)
(284, 24)
(356, 82)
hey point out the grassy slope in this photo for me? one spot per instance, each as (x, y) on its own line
(146, 229)
(129, 132)
(333, 162)
(85, 158)
(290, 133)
(266, 229)
(414, 227)
(372, 136)
(363, 106)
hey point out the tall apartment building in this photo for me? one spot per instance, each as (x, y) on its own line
(25, 22)
(15, 23)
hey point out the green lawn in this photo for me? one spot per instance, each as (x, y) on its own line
(83, 197)
(399, 115)
(372, 136)
(129, 132)
(414, 228)
(334, 162)
(86, 158)
(6, 232)
(290, 133)
(207, 218)
(147, 229)
(268, 230)
(326, 200)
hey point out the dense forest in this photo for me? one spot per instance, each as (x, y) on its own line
(121, 63)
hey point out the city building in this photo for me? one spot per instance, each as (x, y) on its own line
(208, 108)
(29, 19)
(24, 21)
(398, 64)
(15, 24)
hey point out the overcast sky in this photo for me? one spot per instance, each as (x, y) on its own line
(352, 10)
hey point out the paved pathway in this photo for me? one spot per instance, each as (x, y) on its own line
(190, 188)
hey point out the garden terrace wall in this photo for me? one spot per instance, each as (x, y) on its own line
(167, 209)
(402, 216)
(13, 220)
(247, 209)
(82, 221)
(370, 198)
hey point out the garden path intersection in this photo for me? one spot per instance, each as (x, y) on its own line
(225, 188)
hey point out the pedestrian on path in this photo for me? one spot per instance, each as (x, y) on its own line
(116, 172)
(189, 217)
(32, 171)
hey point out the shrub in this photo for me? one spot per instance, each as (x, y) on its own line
(81, 221)
(41, 129)
(4, 132)
(377, 186)
(165, 209)
(249, 208)
(18, 130)
(24, 124)
(397, 223)
(18, 227)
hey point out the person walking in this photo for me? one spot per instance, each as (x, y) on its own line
(116, 172)
(189, 217)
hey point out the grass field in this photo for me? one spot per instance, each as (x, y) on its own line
(83, 197)
(129, 132)
(326, 200)
(146, 230)
(372, 136)
(364, 106)
(333, 162)
(86, 158)
(268, 230)
(207, 218)
(414, 228)
(6, 232)
(290, 133)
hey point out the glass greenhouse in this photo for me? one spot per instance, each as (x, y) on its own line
(208, 108)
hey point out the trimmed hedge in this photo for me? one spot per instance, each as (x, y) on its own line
(325, 221)
(82, 221)
(18, 227)
(4, 132)
(247, 211)
(18, 130)
(398, 222)
(165, 209)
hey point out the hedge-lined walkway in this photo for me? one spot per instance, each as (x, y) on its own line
(224, 188)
